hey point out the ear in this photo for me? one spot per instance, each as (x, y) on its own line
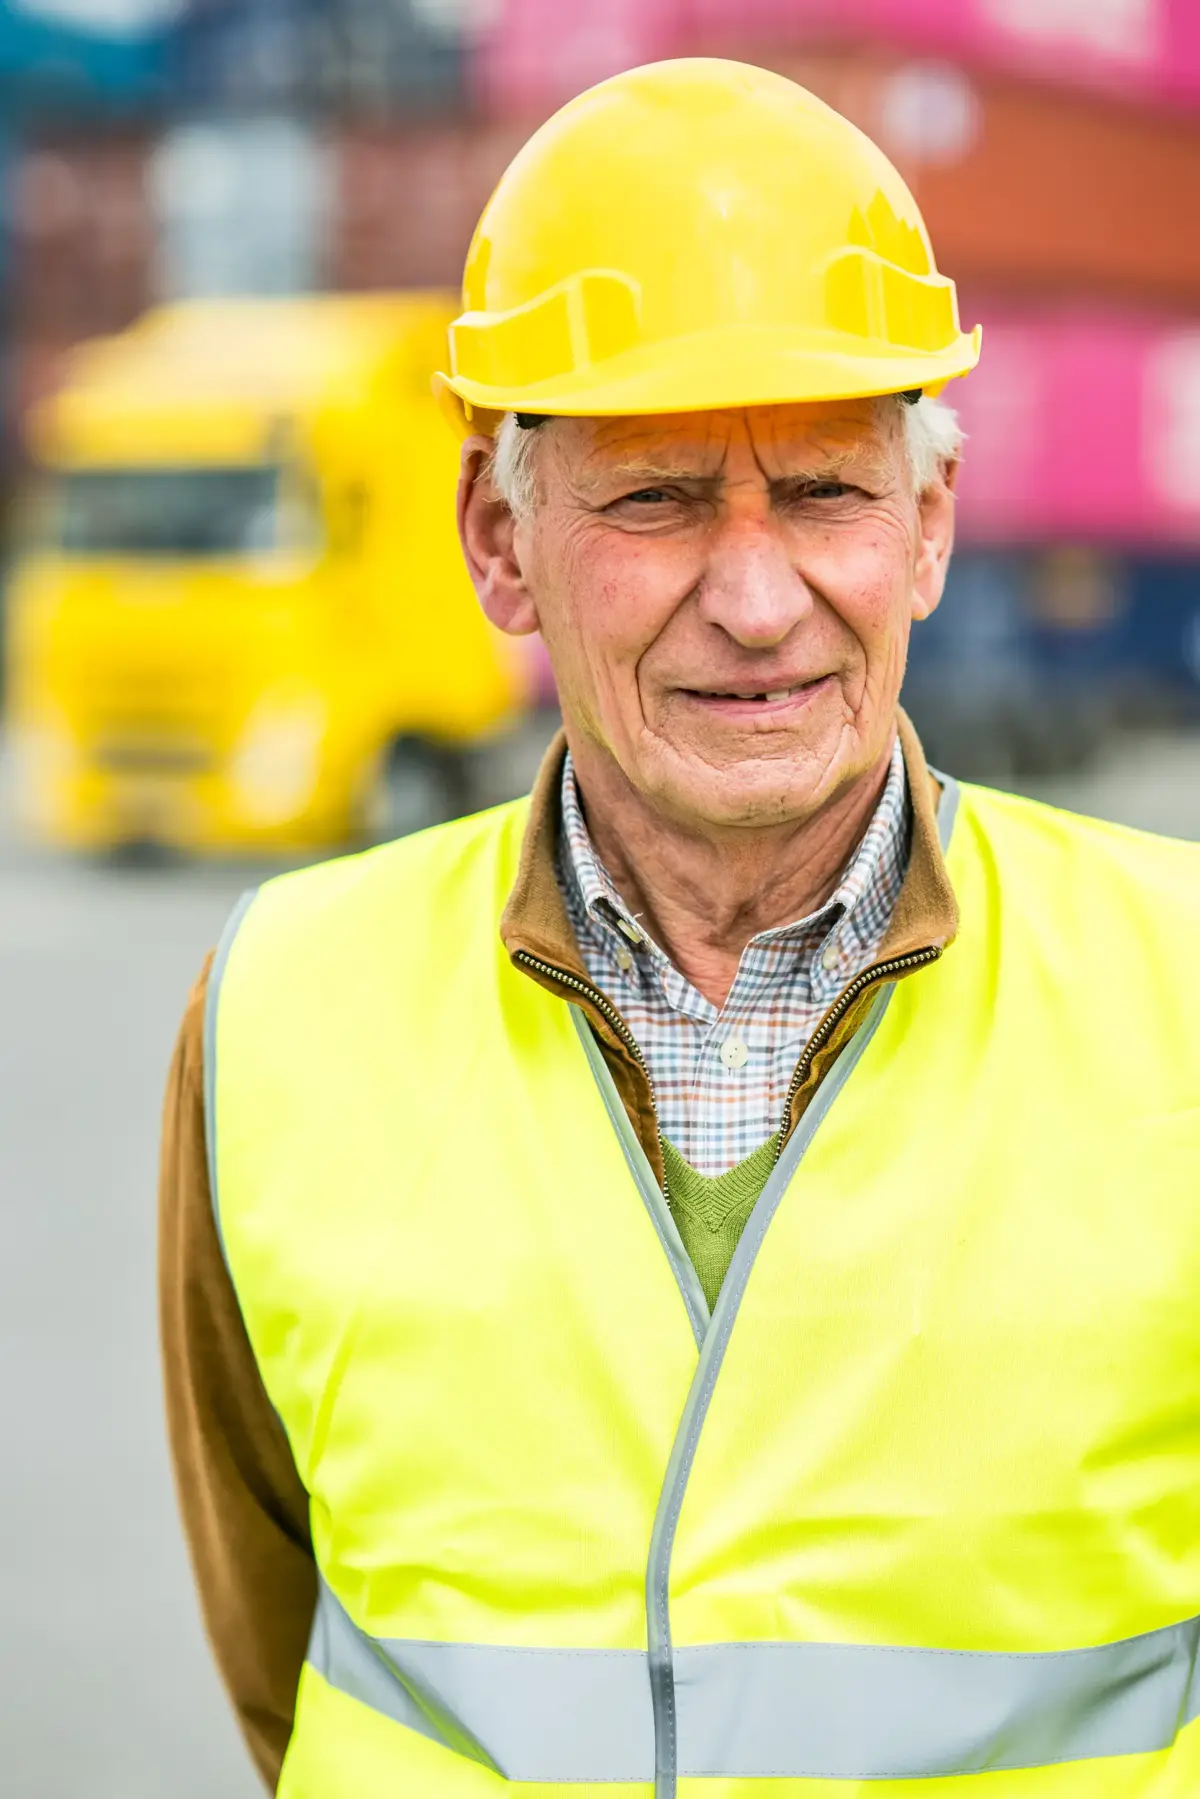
(935, 541)
(487, 531)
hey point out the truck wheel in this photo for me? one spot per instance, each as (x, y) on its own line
(420, 783)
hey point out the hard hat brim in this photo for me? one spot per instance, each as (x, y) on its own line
(721, 370)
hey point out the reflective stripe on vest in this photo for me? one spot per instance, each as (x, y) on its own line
(921, 1499)
(816, 1711)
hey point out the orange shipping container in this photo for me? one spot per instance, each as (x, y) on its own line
(1027, 187)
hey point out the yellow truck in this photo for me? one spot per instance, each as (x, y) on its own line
(241, 604)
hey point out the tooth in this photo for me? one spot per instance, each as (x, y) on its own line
(780, 693)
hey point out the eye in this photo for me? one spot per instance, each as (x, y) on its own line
(645, 496)
(825, 490)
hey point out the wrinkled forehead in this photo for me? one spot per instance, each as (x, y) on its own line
(783, 441)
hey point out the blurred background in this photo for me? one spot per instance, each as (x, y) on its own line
(230, 231)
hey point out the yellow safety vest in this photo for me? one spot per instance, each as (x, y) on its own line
(914, 1515)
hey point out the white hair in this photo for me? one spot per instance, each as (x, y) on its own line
(932, 438)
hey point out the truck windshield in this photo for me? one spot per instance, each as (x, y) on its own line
(188, 512)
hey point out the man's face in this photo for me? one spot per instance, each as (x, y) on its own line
(726, 598)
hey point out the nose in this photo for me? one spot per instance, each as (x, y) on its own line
(750, 589)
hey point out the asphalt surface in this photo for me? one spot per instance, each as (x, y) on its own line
(106, 1689)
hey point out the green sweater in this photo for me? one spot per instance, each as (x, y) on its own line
(711, 1211)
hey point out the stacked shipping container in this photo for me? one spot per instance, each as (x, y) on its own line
(1054, 146)
(1057, 160)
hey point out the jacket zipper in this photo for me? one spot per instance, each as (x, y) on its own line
(821, 1036)
(834, 1016)
(614, 1018)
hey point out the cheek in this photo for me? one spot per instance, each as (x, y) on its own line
(865, 579)
(615, 595)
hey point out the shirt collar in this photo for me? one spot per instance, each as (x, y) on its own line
(880, 854)
(583, 870)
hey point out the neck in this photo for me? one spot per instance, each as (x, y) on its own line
(703, 896)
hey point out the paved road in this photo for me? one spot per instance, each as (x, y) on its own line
(105, 1686)
(1152, 782)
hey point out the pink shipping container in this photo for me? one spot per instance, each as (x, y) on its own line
(1139, 48)
(1085, 428)
(537, 52)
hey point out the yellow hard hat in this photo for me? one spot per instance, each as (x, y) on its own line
(697, 234)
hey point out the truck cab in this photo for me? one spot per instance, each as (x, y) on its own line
(242, 593)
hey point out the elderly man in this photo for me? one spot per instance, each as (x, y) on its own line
(687, 1284)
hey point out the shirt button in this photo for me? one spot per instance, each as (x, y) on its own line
(624, 959)
(734, 1053)
(831, 955)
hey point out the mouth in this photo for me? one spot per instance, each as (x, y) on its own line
(763, 702)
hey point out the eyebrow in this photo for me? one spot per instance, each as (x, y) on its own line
(827, 466)
(656, 471)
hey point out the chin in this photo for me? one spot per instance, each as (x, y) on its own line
(734, 801)
(716, 786)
